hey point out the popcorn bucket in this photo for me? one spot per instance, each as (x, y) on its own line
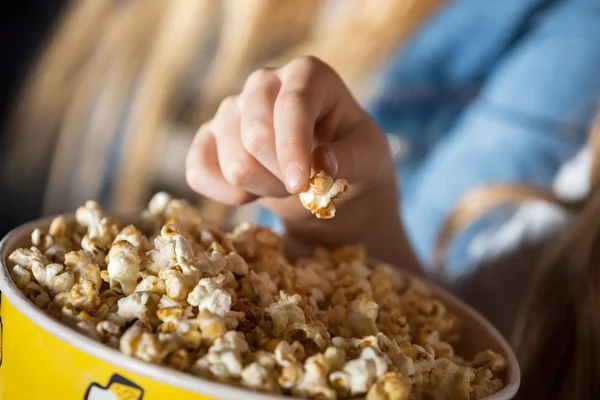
(41, 358)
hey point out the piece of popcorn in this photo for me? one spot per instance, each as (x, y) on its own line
(210, 296)
(135, 237)
(138, 342)
(485, 384)
(402, 362)
(72, 316)
(166, 301)
(287, 354)
(26, 258)
(232, 340)
(124, 265)
(211, 326)
(139, 305)
(291, 375)
(188, 333)
(224, 358)
(85, 296)
(362, 316)
(179, 359)
(313, 334)
(490, 360)
(261, 374)
(320, 196)
(382, 362)
(88, 329)
(314, 381)
(153, 284)
(176, 284)
(446, 380)
(54, 277)
(109, 332)
(20, 276)
(391, 386)
(101, 230)
(170, 247)
(356, 377)
(285, 312)
(175, 211)
(218, 259)
(422, 360)
(259, 286)
(56, 243)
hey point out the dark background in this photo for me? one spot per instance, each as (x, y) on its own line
(24, 28)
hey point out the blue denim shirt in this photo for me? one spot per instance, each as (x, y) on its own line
(488, 91)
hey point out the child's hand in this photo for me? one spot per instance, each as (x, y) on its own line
(264, 142)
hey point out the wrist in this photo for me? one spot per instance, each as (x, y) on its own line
(370, 219)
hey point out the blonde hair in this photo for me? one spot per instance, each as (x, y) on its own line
(557, 331)
(119, 71)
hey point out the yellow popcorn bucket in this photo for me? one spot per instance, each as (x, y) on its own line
(42, 359)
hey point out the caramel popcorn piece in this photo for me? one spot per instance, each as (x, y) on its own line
(321, 194)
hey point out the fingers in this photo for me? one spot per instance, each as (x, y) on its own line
(257, 132)
(361, 155)
(239, 168)
(266, 141)
(203, 172)
(301, 101)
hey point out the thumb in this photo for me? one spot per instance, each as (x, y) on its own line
(360, 156)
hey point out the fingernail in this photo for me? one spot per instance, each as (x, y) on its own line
(294, 176)
(333, 164)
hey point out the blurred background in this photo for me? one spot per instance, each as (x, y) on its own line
(100, 99)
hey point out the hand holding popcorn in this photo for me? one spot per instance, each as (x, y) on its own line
(286, 125)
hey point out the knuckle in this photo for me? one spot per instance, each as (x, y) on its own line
(296, 98)
(306, 63)
(236, 172)
(260, 77)
(228, 104)
(194, 180)
(257, 136)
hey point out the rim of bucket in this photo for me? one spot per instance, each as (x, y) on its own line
(187, 381)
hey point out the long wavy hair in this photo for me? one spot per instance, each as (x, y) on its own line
(147, 73)
(557, 331)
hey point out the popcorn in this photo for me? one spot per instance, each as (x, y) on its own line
(261, 373)
(224, 358)
(139, 343)
(56, 243)
(53, 277)
(26, 258)
(455, 381)
(123, 265)
(153, 284)
(390, 386)
(285, 312)
(139, 305)
(231, 307)
(84, 296)
(356, 377)
(362, 316)
(485, 384)
(320, 196)
(20, 276)
(314, 382)
(134, 237)
(287, 354)
(210, 296)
